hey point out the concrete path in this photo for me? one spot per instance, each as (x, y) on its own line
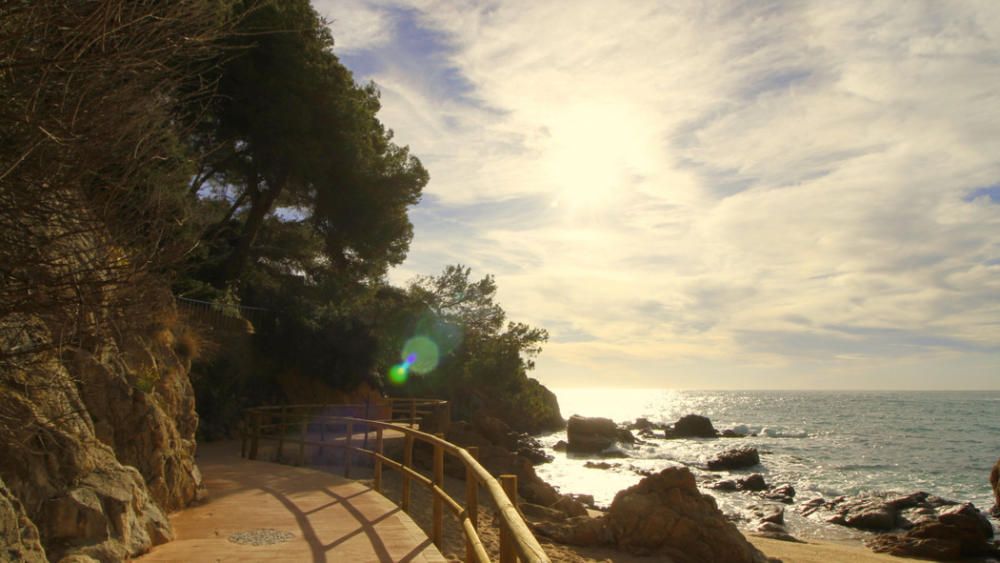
(325, 517)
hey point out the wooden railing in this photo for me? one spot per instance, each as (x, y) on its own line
(273, 423)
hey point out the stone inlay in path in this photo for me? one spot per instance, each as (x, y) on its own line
(261, 536)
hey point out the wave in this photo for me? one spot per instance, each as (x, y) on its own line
(779, 433)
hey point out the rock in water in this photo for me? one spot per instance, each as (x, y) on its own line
(590, 434)
(754, 482)
(736, 458)
(782, 493)
(665, 514)
(692, 426)
(957, 532)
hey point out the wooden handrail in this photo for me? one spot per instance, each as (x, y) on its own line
(517, 541)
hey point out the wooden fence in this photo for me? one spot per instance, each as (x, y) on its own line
(401, 415)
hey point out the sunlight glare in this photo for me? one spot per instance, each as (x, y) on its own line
(597, 151)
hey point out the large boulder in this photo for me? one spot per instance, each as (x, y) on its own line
(735, 458)
(590, 434)
(665, 514)
(692, 426)
(957, 532)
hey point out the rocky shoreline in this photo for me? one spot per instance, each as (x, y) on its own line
(909, 525)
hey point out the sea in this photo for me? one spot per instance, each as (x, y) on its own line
(823, 443)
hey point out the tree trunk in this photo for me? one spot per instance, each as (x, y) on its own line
(261, 202)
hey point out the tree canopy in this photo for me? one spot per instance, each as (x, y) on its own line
(291, 129)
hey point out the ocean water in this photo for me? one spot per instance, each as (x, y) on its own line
(824, 443)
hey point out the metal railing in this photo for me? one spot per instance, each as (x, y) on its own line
(222, 315)
(274, 423)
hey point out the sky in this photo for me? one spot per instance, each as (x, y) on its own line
(709, 195)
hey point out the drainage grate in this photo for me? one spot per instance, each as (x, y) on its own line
(261, 536)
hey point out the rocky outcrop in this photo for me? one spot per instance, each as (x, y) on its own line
(19, 540)
(957, 532)
(736, 458)
(665, 514)
(880, 512)
(103, 443)
(692, 426)
(527, 407)
(590, 434)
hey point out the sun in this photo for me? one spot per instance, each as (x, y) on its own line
(596, 152)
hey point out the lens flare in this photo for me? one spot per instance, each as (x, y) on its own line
(423, 352)
(398, 374)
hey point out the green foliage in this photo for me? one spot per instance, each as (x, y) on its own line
(484, 362)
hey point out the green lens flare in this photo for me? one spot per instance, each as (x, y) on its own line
(398, 374)
(421, 353)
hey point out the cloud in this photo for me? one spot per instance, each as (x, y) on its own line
(710, 187)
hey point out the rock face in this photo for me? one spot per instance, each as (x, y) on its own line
(104, 440)
(736, 458)
(692, 426)
(163, 450)
(957, 532)
(590, 434)
(18, 534)
(665, 514)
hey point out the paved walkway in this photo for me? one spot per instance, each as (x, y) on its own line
(328, 518)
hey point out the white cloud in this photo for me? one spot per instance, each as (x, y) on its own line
(357, 25)
(728, 189)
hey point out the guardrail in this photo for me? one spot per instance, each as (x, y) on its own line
(516, 540)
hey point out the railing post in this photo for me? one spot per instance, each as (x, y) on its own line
(243, 435)
(413, 413)
(281, 433)
(507, 551)
(302, 440)
(254, 434)
(347, 449)
(438, 504)
(404, 502)
(378, 460)
(322, 435)
(471, 501)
